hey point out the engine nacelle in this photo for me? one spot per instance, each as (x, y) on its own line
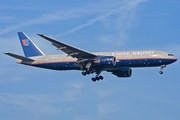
(123, 72)
(106, 61)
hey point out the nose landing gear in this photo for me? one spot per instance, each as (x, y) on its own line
(161, 70)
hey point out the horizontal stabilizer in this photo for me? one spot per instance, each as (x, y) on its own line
(18, 57)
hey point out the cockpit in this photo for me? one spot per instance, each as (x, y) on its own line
(170, 55)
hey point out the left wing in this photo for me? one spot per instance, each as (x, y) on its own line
(70, 50)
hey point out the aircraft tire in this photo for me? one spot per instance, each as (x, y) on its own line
(160, 72)
(101, 77)
(84, 73)
(97, 78)
(88, 72)
(93, 79)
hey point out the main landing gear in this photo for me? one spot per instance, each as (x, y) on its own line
(87, 72)
(96, 78)
(161, 70)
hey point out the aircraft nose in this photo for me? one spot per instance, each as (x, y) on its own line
(172, 59)
(175, 59)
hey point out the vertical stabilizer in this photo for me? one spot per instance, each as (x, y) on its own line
(29, 48)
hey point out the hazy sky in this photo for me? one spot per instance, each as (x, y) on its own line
(28, 93)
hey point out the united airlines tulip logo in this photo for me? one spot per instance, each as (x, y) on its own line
(25, 42)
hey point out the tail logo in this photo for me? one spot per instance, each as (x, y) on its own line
(25, 42)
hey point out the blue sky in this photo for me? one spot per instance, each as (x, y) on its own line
(101, 25)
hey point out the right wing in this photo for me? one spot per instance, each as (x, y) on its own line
(70, 50)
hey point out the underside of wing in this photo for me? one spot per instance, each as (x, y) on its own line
(69, 50)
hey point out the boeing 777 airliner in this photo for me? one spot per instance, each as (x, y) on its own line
(118, 63)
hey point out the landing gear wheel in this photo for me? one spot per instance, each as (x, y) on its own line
(101, 77)
(93, 79)
(88, 72)
(97, 78)
(84, 73)
(160, 72)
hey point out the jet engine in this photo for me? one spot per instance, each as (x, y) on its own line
(123, 72)
(106, 61)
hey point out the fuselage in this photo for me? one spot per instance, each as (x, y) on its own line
(124, 59)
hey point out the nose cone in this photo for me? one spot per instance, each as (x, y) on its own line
(175, 59)
(171, 60)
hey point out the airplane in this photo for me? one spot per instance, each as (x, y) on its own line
(119, 63)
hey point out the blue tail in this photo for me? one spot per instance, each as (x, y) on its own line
(29, 48)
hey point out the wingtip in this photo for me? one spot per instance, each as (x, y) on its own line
(6, 52)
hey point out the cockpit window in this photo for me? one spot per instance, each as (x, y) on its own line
(170, 55)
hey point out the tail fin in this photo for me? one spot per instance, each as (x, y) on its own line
(29, 48)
